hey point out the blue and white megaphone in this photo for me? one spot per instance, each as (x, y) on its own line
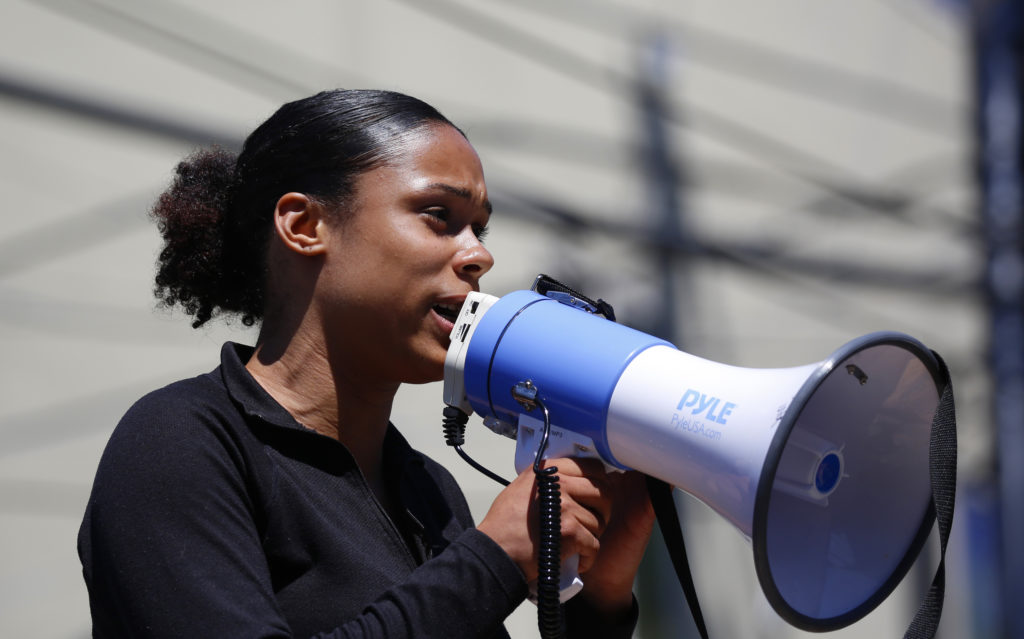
(823, 467)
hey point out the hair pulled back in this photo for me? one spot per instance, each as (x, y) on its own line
(216, 217)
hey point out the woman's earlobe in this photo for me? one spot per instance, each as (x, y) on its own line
(299, 222)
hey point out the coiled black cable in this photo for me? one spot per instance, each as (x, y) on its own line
(549, 505)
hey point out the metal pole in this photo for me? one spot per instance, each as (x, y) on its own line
(665, 606)
(998, 66)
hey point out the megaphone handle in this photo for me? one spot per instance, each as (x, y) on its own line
(549, 610)
(530, 442)
(569, 582)
(553, 576)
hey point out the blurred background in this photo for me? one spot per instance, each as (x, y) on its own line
(758, 182)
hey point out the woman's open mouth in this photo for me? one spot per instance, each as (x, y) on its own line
(449, 312)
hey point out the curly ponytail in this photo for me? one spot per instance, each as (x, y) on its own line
(216, 216)
(193, 268)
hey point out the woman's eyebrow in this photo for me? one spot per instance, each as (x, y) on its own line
(459, 192)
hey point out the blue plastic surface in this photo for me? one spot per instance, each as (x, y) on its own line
(574, 358)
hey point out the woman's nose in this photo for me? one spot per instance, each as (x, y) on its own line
(474, 259)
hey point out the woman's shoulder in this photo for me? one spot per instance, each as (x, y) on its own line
(185, 434)
(179, 403)
(191, 417)
(204, 401)
(199, 389)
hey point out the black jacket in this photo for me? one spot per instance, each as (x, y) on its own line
(215, 514)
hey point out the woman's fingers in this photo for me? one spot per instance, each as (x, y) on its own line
(586, 506)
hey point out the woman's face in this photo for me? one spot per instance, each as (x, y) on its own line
(403, 259)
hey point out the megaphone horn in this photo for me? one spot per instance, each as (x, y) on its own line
(824, 468)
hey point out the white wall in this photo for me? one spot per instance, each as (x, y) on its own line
(782, 104)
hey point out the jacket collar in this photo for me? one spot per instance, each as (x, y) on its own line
(256, 402)
(246, 392)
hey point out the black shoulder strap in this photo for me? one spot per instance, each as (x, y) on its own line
(942, 464)
(668, 522)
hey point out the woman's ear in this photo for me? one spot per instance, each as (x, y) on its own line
(300, 224)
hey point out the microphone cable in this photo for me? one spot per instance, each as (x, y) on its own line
(550, 620)
(549, 506)
(454, 424)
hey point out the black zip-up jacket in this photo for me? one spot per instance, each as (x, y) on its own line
(215, 514)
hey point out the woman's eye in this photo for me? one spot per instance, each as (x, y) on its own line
(444, 218)
(438, 212)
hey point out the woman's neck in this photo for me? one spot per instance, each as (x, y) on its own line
(325, 396)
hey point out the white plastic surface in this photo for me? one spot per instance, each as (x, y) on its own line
(701, 426)
(472, 310)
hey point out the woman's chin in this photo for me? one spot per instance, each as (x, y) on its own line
(428, 369)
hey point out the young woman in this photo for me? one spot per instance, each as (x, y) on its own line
(272, 497)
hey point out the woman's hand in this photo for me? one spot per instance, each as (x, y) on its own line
(608, 584)
(607, 520)
(512, 521)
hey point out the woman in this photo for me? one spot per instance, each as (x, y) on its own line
(272, 497)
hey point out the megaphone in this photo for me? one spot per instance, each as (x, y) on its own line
(824, 468)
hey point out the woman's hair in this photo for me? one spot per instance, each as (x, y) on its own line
(216, 216)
